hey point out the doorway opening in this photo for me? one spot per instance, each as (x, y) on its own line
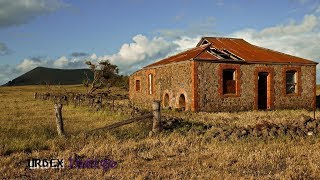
(263, 96)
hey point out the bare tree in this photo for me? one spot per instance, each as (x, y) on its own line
(103, 73)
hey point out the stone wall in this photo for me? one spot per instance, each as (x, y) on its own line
(209, 87)
(172, 79)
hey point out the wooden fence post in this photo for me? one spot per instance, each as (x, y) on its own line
(156, 126)
(59, 120)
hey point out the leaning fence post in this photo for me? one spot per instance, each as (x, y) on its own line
(156, 126)
(59, 120)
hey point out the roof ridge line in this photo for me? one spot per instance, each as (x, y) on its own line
(207, 45)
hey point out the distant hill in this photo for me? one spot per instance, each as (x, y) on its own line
(42, 75)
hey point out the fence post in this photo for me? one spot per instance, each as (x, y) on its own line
(59, 120)
(156, 126)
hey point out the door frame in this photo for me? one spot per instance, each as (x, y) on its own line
(270, 87)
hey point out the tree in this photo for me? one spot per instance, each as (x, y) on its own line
(103, 73)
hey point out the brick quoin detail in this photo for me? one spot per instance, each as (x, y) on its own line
(314, 74)
(270, 86)
(237, 78)
(284, 82)
(194, 86)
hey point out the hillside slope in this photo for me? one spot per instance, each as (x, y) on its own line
(42, 75)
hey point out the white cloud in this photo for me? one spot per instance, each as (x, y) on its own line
(28, 64)
(61, 62)
(93, 57)
(16, 12)
(309, 23)
(185, 43)
(299, 39)
(140, 52)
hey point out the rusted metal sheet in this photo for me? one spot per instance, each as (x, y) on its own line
(243, 50)
(252, 53)
(186, 55)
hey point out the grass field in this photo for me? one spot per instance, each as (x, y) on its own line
(28, 131)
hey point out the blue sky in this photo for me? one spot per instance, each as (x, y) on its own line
(134, 33)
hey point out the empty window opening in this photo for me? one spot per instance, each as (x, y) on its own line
(220, 53)
(182, 102)
(229, 81)
(291, 82)
(150, 78)
(137, 85)
(166, 100)
(233, 56)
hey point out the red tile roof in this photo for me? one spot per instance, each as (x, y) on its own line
(232, 49)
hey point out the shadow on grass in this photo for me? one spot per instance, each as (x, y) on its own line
(184, 126)
(140, 130)
(136, 131)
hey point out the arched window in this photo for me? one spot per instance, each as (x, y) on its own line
(182, 101)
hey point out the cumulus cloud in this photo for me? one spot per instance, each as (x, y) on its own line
(61, 62)
(4, 50)
(22, 11)
(299, 39)
(28, 64)
(140, 52)
(185, 42)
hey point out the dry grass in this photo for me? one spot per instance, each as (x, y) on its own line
(28, 131)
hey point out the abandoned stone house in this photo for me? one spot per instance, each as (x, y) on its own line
(226, 74)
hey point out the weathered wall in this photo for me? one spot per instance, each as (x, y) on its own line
(210, 98)
(173, 79)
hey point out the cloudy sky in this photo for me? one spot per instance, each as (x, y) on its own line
(134, 33)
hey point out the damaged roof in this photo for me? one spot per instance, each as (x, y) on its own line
(233, 50)
(183, 56)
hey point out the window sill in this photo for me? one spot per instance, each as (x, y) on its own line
(230, 95)
(292, 94)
